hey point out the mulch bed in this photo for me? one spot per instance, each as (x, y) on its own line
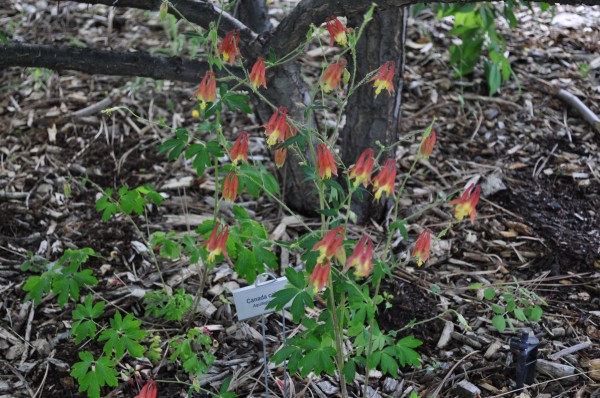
(538, 221)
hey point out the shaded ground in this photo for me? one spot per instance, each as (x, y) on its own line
(543, 229)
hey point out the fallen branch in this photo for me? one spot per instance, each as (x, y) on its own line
(580, 107)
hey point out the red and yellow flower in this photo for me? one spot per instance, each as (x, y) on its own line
(362, 257)
(421, 251)
(239, 150)
(277, 128)
(325, 162)
(467, 203)
(320, 276)
(428, 144)
(217, 241)
(230, 186)
(384, 181)
(384, 78)
(280, 155)
(228, 48)
(331, 245)
(332, 76)
(149, 390)
(207, 92)
(257, 75)
(361, 171)
(337, 31)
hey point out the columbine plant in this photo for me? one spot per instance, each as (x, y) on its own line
(345, 269)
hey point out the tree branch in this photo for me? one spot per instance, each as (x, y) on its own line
(201, 13)
(104, 62)
(291, 32)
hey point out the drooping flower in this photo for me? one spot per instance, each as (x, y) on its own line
(362, 257)
(149, 390)
(337, 31)
(230, 186)
(207, 92)
(216, 242)
(331, 245)
(384, 78)
(467, 203)
(320, 276)
(239, 150)
(361, 171)
(384, 181)
(229, 46)
(332, 76)
(428, 144)
(277, 127)
(421, 251)
(325, 162)
(280, 155)
(257, 75)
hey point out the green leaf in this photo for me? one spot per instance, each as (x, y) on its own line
(318, 360)
(38, 286)
(349, 370)
(106, 205)
(201, 157)
(246, 265)
(493, 76)
(489, 293)
(123, 336)
(195, 360)
(301, 301)
(388, 363)
(401, 225)
(67, 285)
(237, 101)
(281, 298)
(519, 314)
(175, 146)
(498, 309)
(131, 201)
(499, 322)
(475, 286)
(405, 352)
(240, 213)
(534, 313)
(85, 327)
(94, 374)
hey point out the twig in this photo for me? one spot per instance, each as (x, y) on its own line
(570, 350)
(441, 385)
(475, 97)
(580, 107)
(27, 335)
(537, 170)
(43, 381)
(478, 123)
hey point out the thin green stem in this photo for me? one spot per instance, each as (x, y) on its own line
(339, 343)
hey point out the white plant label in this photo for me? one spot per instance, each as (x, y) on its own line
(251, 301)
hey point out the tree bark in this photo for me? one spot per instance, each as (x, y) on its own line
(111, 63)
(370, 119)
(254, 14)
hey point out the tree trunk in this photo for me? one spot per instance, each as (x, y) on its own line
(370, 120)
(254, 14)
